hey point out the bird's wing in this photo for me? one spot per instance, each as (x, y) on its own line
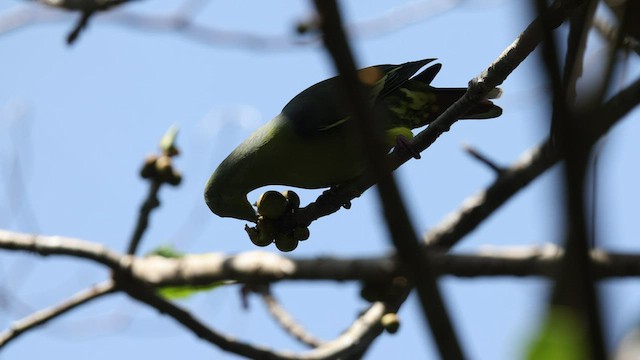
(393, 76)
(324, 106)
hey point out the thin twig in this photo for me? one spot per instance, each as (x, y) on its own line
(150, 203)
(82, 23)
(286, 321)
(181, 23)
(43, 316)
(361, 333)
(476, 154)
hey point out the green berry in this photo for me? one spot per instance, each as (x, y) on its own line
(175, 178)
(285, 242)
(390, 322)
(266, 226)
(272, 205)
(163, 165)
(258, 237)
(301, 233)
(292, 198)
(149, 168)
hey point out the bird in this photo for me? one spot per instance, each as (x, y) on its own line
(310, 144)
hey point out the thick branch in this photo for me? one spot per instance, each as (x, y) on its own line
(264, 267)
(58, 245)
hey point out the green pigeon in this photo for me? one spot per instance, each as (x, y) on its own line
(310, 144)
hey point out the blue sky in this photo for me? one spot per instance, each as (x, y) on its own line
(93, 111)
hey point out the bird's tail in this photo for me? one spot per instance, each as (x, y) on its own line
(485, 109)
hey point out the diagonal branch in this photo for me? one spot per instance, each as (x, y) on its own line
(286, 321)
(397, 219)
(358, 336)
(532, 164)
(493, 76)
(43, 316)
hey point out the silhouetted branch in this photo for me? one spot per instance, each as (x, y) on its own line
(43, 316)
(181, 23)
(264, 267)
(58, 245)
(284, 318)
(533, 163)
(483, 159)
(358, 335)
(609, 32)
(395, 212)
(490, 78)
(574, 287)
(158, 170)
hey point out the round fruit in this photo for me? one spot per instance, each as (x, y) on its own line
(267, 226)
(272, 205)
(163, 165)
(390, 322)
(292, 198)
(175, 178)
(285, 242)
(301, 233)
(257, 237)
(149, 168)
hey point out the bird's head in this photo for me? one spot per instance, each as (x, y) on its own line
(230, 205)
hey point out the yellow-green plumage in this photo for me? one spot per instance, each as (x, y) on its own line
(309, 145)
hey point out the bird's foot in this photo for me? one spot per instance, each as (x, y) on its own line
(403, 143)
(273, 208)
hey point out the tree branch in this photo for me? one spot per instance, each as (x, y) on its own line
(533, 163)
(181, 22)
(397, 219)
(286, 321)
(58, 245)
(43, 316)
(265, 267)
(150, 203)
(493, 76)
(359, 335)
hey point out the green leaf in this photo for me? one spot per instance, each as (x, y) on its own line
(166, 251)
(168, 141)
(562, 337)
(183, 292)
